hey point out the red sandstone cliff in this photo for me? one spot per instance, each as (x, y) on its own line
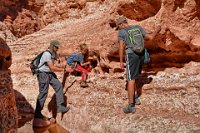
(170, 99)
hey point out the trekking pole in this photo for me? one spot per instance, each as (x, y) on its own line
(65, 75)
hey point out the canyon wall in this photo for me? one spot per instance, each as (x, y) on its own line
(170, 83)
(8, 110)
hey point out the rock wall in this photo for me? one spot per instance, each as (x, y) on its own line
(170, 81)
(8, 110)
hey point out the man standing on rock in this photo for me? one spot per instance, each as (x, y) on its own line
(47, 76)
(131, 38)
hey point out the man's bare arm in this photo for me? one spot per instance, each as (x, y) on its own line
(54, 68)
(121, 52)
(58, 69)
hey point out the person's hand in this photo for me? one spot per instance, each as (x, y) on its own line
(68, 69)
(121, 65)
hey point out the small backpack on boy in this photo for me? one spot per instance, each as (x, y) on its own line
(74, 59)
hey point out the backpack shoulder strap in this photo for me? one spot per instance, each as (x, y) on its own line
(41, 56)
(40, 59)
(47, 51)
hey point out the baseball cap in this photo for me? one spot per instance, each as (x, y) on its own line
(119, 21)
(55, 43)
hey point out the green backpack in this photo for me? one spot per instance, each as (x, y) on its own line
(137, 43)
(136, 39)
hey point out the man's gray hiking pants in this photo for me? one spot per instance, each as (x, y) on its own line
(44, 79)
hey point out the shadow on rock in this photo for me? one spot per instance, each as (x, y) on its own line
(52, 104)
(24, 108)
(142, 80)
(12, 8)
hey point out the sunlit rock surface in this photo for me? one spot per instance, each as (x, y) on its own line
(170, 83)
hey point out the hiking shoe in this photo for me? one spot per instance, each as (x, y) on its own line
(129, 109)
(84, 84)
(137, 101)
(62, 109)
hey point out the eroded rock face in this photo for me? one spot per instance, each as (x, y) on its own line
(6, 34)
(8, 110)
(139, 9)
(20, 15)
(168, 91)
(26, 22)
(29, 16)
(35, 5)
(5, 55)
(11, 8)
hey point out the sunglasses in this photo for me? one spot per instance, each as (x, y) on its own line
(56, 47)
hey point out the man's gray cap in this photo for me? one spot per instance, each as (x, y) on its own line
(120, 20)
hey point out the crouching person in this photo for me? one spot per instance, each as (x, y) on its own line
(79, 61)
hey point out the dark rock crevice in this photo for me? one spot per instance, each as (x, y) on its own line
(11, 8)
(139, 10)
(198, 8)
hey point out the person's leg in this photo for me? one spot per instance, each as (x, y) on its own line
(84, 74)
(83, 71)
(87, 68)
(43, 81)
(137, 89)
(131, 95)
(57, 86)
(131, 91)
(130, 75)
(100, 70)
(137, 95)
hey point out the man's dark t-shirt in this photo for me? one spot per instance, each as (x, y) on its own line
(123, 35)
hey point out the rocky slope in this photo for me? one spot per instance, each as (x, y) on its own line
(170, 83)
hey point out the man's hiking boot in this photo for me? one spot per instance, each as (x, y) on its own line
(129, 109)
(137, 100)
(62, 109)
(84, 84)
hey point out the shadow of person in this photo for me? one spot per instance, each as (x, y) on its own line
(52, 104)
(24, 109)
(141, 81)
